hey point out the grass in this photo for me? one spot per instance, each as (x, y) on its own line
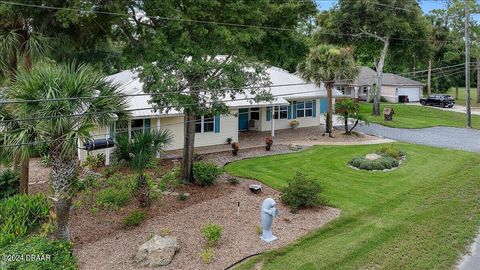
(462, 94)
(410, 116)
(421, 216)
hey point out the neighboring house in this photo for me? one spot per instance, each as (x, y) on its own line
(395, 88)
(294, 99)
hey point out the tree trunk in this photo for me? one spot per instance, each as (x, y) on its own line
(24, 173)
(429, 81)
(456, 92)
(329, 123)
(478, 80)
(378, 90)
(143, 193)
(62, 211)
(27, 62)
(188, 147)
(62, 174)
(345, 118)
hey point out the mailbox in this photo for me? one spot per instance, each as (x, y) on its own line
(388, 114)
(99, 144)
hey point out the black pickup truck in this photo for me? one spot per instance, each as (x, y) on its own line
(438, 100)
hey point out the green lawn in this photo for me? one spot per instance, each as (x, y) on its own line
(462, 95)
(410, 116)
(420, 216)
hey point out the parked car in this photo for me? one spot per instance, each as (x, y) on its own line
(438, 100)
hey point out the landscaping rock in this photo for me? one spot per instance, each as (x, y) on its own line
(158, 251)
(372, 156)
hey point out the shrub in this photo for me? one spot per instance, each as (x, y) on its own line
(170, 180)
(207, 255)
(134, 218)
(385, 162)
(94, 161)
(182, 196)
(233, 181)
(212, 233)
(258, 229)
(20, 214)
(302, 192)
(60, 254)
(391, 151)
(86, 183)
(108, 172)
(205, 173)
(9, 183)
(113, 197)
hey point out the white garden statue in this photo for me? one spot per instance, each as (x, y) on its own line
(267, 212)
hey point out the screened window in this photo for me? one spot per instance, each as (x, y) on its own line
(304, 109)
(281, 112)
(204, 124)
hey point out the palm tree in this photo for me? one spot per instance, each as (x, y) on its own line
(350, 109)
(325, 64)
(14, 44)
(140, 151)
(61, 122)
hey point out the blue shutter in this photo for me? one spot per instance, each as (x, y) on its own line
(323, 105)
(289, 111)
(217, 124)
(147, 124)
(314, 105)
(269, 113)
(294, 109)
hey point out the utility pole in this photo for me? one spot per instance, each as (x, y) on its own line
(467, 65)
(429, 80)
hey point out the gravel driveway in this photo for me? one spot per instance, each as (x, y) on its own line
(448, 137)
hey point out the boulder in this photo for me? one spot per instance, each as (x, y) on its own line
(158, 251)
(373, 156)
(295, 147)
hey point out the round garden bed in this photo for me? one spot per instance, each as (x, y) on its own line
(387, 158)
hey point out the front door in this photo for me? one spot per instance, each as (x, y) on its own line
(243, 119)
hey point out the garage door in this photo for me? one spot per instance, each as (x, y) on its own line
(413, 93)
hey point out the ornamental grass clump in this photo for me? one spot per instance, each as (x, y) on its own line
(302, 192)
(391, 151)
(212, 233)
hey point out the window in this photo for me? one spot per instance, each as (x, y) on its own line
(365, 89)
(137, 126)
(341, 89)
(280, 111)
(255, 113)
(304, 109)
(204, 124)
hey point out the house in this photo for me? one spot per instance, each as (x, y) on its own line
(395, 88)
(294, 98)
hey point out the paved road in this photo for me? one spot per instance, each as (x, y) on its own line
(447, 137)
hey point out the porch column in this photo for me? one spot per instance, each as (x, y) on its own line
(158, 124)
(129, 130)
(107, 151)
(273, 122)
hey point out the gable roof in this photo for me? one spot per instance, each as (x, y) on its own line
(284, 86)
(368, 76)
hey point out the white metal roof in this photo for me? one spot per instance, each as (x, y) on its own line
(285, 86)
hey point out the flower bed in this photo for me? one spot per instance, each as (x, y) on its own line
(386, 158)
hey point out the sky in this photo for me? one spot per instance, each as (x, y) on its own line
(426, 5)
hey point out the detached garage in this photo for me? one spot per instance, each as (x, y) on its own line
(398, 89)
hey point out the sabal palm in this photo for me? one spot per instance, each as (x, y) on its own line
(325, 64)
(61, 123)
(140, 151)
(349, 109)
